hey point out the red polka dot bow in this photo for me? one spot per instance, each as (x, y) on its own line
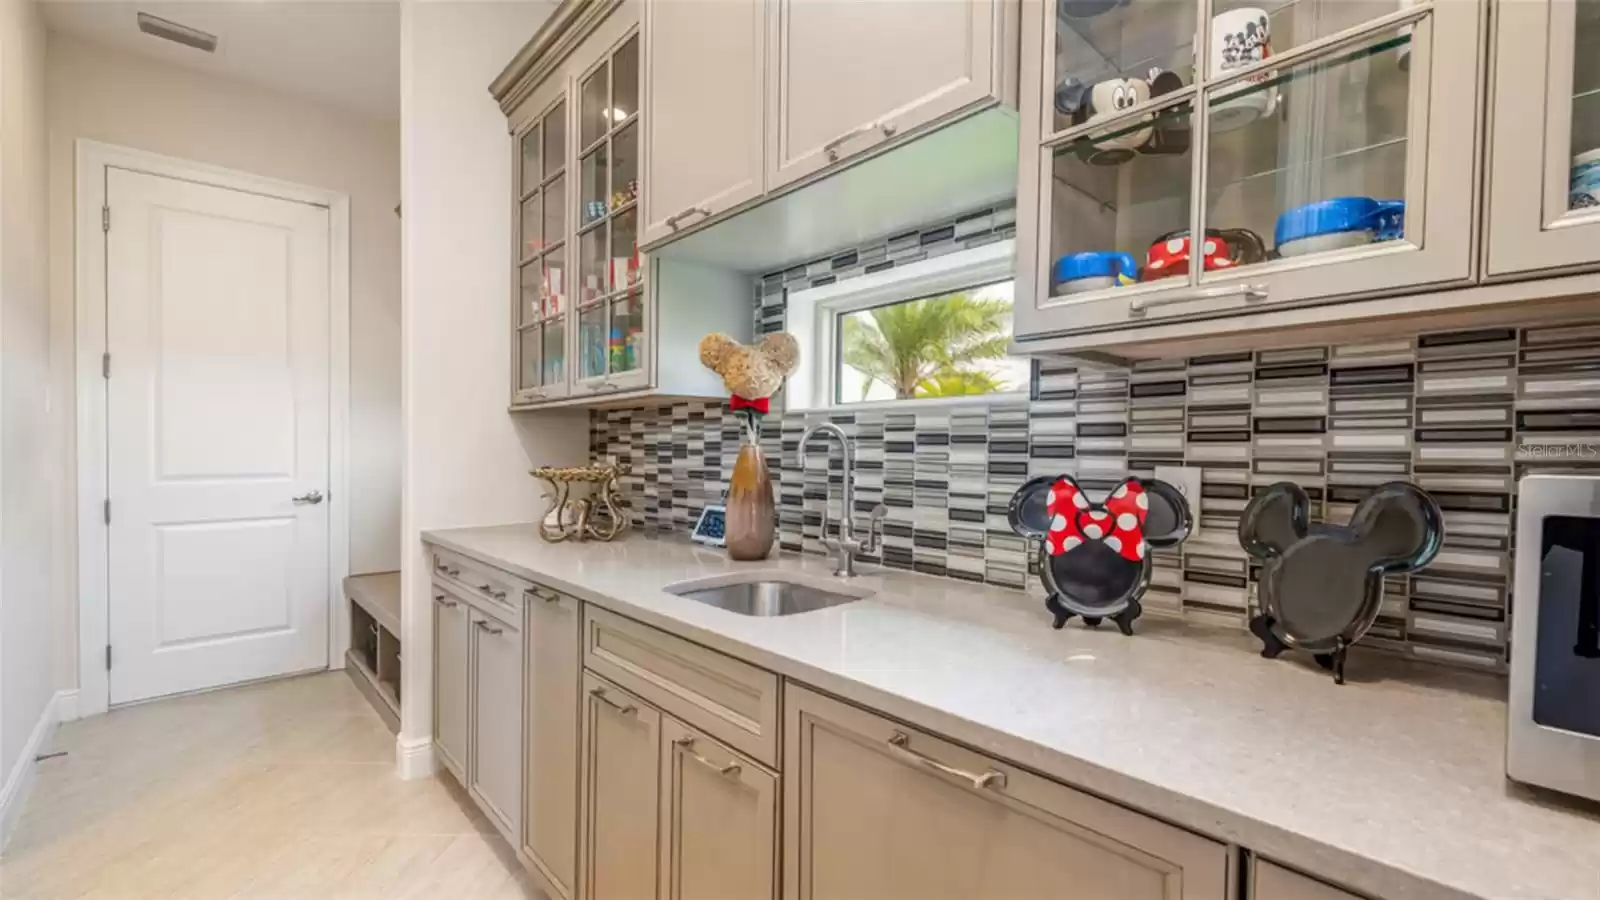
(1118, 522)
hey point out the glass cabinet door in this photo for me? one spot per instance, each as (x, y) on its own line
(542, 283)
(1544, 179)
(611, 343)
(1318, 148)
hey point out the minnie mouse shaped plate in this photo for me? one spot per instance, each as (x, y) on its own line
(1094, 556)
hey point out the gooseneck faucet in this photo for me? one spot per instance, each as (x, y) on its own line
(847, 545)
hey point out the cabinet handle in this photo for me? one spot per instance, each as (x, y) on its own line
(490, 629)
(888, 129)
(675, 219)
(989, 779)
(444, 601)
(831, 148)
(607, 385)
(600, 694)
(1252, 293)
(445, 568)
(489, 589)
(546, 596)
(687, 746)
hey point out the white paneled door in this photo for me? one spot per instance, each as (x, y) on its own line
(218, 435)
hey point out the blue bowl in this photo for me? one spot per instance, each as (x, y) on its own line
(1097, 264)
(1384, 218)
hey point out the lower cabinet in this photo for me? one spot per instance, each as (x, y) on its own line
(451, 642)
(494, 772)
(719, 820)
(1271, 882)
(621, 779)
(550, 820)
(873, 808)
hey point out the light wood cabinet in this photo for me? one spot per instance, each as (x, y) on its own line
(550, 833)
(719, 820)
(877, 809)
(621, 777)
(451, 676)
(1273, 882)
(494, 770)
(704, 83)
(1544, 175)
(846, 76)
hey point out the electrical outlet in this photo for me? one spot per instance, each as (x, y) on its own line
(1187, 480)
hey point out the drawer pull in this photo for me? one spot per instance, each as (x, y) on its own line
(445, 568)
(489, 589)
(546, 596)
(600, 694)
(444, 601)
(673, 220)
(989, 779)
(687, 746)
(490, 629)
(1251, 293)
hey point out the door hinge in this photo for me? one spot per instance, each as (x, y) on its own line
(105, 217)
(105, 365)
(108, 657)
(108, 511)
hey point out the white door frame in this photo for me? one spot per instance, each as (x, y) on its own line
(89, 288)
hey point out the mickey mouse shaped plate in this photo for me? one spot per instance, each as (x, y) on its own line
(1321, 585)
(1094, 556)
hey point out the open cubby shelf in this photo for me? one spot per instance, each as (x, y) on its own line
(373, 659)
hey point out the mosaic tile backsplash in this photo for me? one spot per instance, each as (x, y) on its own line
(1462, 414)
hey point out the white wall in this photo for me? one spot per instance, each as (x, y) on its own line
(466, 459)
(117, 98)
(30, 459)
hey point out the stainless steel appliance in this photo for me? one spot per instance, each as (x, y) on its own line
(1554, 728)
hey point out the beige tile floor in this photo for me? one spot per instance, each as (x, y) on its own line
(276, 791)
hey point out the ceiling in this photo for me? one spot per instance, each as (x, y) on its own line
(345, 53)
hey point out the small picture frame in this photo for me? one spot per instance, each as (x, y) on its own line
(712, 526)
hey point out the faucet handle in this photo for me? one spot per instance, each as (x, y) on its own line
(874, 539)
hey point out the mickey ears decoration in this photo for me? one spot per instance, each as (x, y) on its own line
(1094, 555)
(1321, 586)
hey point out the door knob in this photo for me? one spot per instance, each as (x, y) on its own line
(310, 499)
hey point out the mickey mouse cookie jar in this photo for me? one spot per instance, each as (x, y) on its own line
(1321, 585)
(1095, 555)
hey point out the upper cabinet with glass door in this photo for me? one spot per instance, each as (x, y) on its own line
(544, 239)
(610, 305)
(1323, 149)
(1544, 185)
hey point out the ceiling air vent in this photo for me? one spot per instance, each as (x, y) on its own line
(182, 34)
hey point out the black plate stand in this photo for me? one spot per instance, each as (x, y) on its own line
(1273, 646)
(1123, 620)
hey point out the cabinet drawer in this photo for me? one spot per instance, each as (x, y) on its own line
(874, 808)
(490, 589)
(1272, 882)
(732, 701)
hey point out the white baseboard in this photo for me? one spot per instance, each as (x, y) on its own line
(19, 781)
(414, 757)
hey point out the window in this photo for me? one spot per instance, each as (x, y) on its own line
(951, 344)
(929, 331)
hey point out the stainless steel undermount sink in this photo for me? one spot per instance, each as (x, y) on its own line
(767, 593)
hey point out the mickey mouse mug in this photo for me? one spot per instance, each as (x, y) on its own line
(1239, 38)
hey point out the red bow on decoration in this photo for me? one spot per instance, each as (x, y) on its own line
(761, 405)
(1118, 523)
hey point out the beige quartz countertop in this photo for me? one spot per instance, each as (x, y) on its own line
(1392, 785)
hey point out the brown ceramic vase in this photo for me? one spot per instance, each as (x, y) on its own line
(752, 516)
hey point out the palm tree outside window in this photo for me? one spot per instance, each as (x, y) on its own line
(946, 345)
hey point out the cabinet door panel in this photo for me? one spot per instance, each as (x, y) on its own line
(450, 680)
(876, 809)
(705, 68)
(621, 779)
(552, 746)
(494, 776)
(719, 819)
(1544, 185)
(854, 74)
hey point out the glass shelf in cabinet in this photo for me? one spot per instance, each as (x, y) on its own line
(1121, 117)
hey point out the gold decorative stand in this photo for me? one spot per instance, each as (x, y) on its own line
(600, 514)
